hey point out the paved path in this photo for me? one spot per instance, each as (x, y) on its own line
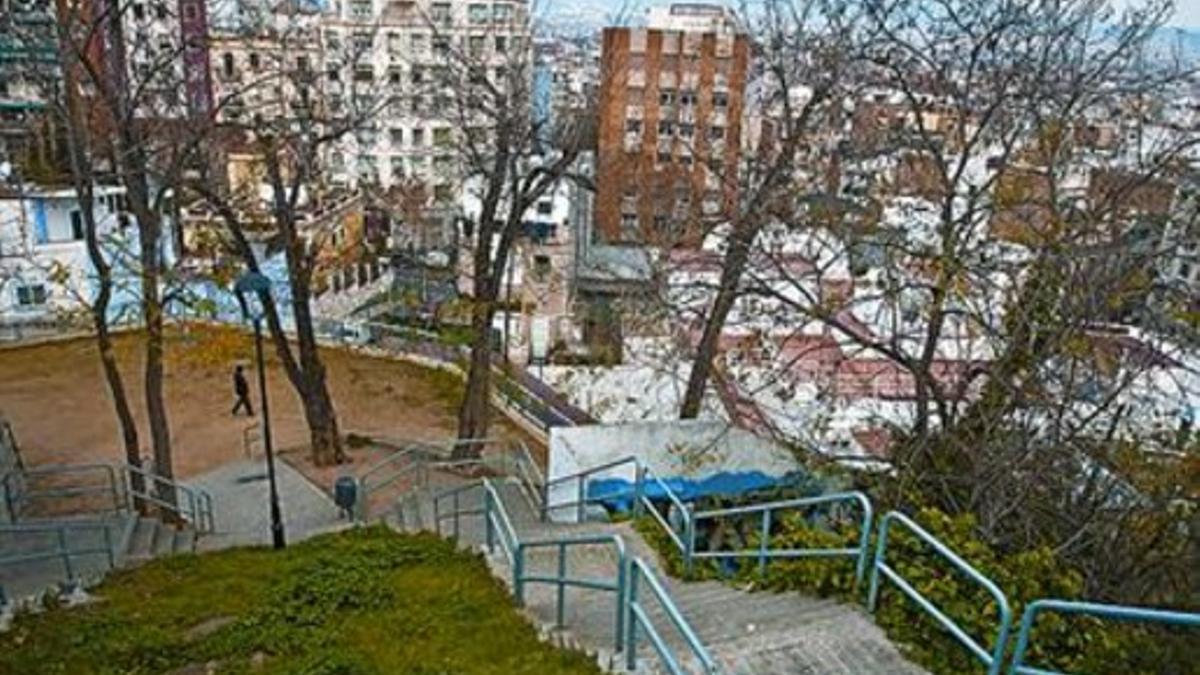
(241, 505)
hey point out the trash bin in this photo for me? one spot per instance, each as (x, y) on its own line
(345, 495)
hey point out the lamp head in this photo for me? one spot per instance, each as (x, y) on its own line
(248, 289)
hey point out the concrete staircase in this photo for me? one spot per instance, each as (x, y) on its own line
(133, 540)
(752, 633)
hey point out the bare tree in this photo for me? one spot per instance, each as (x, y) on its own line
(295, 127)
(510, 159)
(806, 49)
(1003, 281)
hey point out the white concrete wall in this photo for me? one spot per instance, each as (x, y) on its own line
(679, 448)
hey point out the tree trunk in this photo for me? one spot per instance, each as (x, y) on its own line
(318, 404)
(473, 416)
(706, 352)
(156, 407)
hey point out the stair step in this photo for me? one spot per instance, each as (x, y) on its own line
(164, 540)
(141, 544)
(184, 541)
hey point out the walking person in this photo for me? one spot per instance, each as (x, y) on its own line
(242, 388)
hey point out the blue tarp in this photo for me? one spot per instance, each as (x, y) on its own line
(616, 494)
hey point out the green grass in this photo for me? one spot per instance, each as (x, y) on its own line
(358, 603)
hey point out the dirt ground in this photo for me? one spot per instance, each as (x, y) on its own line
(56, 399)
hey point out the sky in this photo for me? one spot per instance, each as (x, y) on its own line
(1187, 12)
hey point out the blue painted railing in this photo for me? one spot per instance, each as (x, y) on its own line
(499, 529)
(639, 618)
(562, 580)
(1114, 612)
(685, 541)
(993, 659)
(581, 498)
(766, 513)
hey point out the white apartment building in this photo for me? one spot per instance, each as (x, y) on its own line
(44, 265)
(402, 50)
(379, 66)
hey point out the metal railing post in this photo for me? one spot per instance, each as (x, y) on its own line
(631, 624)
(622, 598)
(562, 588)
(544, 488)
(880, 552)
(66, 554)
(457, 512)
(488, 527)
(689, 537)
(108, 547)
(579, 507)
(437, 515)
(518, 574)
(639, 489)
(864, 542)
(764, 538)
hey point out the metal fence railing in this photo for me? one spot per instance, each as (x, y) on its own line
(766, 513)
(639, 621)
(993, 659)
(1114, 612)
(61, 490)
(63, 547)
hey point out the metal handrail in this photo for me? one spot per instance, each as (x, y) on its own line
(454, 495)
(580, 478)
(994, 659)
(638, 617)
(766, 510)
(562, 581)
(16, 503)
(1115, 612)
(120, 484)
(687, 543)
(199, 509)
(62, 549)
(496, 519)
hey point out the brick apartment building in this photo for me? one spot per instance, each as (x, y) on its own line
(670, 125)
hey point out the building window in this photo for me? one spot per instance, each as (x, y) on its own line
(475, 45)
(76, 225)
(397, 167)
(501, 44)
(716, 133)
(687, 130)
(254, 61)
(139, 12)
(720, 100)
(32, 295)
(545, 207)
(393, 43)
(666, 128)
(397, 137)
(360, 9)
(477, 14)
(418, 138)
(442, 137)
(227, 64)
(440, 13)
(541, 267)
(633, 126)
(502, 13)
(687, 98)
(666, 97)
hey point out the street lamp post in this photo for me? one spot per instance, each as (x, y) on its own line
(249, 289)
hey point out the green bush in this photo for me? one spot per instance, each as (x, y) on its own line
(1066, 644)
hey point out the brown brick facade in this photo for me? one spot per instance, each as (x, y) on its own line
(667, 98)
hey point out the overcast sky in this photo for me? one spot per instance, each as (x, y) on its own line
(1187, 12)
